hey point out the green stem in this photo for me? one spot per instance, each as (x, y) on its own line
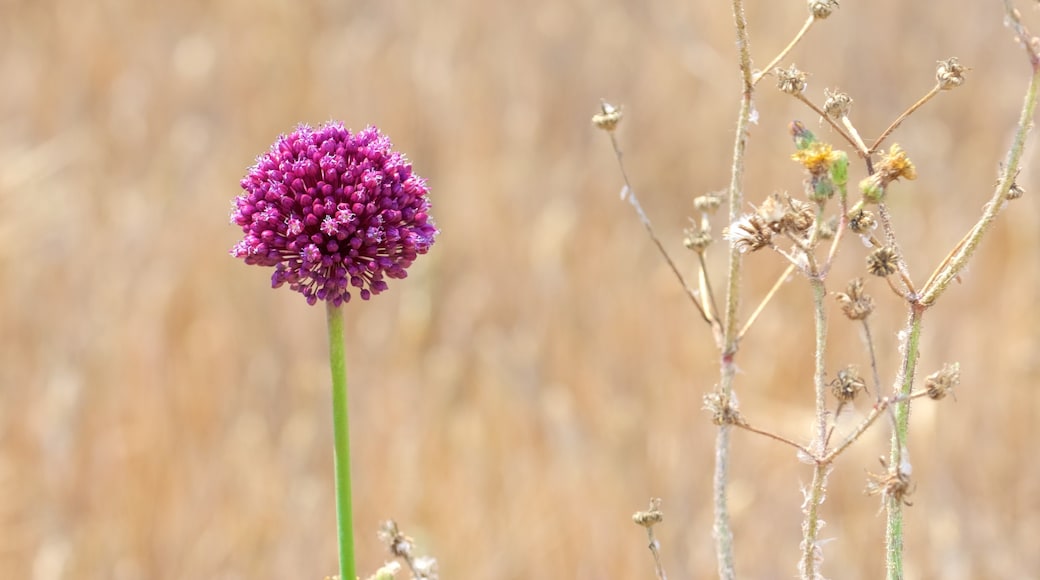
(341, 433)
(894, 506)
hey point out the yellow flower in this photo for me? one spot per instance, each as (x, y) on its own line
(816, 158)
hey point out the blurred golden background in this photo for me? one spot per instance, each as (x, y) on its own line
(539, 375)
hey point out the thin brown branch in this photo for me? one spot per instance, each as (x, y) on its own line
(783, 53)
(775, 437)
(765, 300)
(902, 117)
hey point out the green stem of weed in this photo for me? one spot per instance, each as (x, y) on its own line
(894, 505)
(341, 434)
(958, 259)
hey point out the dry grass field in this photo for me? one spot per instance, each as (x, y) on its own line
(539, 375)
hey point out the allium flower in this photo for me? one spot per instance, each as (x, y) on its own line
(329, 210)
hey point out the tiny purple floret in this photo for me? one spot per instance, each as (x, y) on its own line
(331, 210)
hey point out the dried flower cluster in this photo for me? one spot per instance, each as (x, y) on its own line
(943, 382)
(847, 384)
(791, 81)
(330, 210)
(855, 303)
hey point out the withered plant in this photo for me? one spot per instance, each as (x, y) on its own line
(807, 232)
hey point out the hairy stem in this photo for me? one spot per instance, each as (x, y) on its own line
(810, 528)
(958, 259)
(722, 531)
(904, 386)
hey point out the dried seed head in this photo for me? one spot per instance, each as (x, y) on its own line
(723, 410)
(799, 216)
(696, 239)
(855, 303)
(749, 233)
(882, 262)
(772, 211)
(944, 381)
(1016, 191)
(950, 73)
(837, 104)
(608, 117)
(651, 516)
(400, 545)
(791, 81)
(847, 385)
(862, 222)
(822, 8)
(708, 202)
(828, 228)
(894, 484)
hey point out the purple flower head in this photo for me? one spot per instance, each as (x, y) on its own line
(330, 210)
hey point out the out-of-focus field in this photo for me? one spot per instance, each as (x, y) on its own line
(164, 415)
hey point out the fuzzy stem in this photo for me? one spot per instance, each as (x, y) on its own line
(723, 533)
(954, 263)
(811, 526)
(341, 434)
(905, 382)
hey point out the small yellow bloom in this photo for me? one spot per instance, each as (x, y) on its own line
(817, 158)
(895, 164)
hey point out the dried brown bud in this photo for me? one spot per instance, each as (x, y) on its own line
(847, 385)
(749, 233)
(723, 409)
(837, 104)
(862, 222)
(772, 211)
(651, 516)
(893, 484)
(799, 216)
(608, 117)
(855, 303)
(822, 8)
(950, 74)
(708, 202)
(791, 81)
(944, 381)
(696, 239)
(828, 228)
(399, 544)
(882, 262)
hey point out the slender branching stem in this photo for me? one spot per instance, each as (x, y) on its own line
(811, 556)
(783, 53)
(843, 222)
(723, 533)
(899, 120)
(768, 297)
(953, 264)
(841, 130)
(904, 385)
(869, 340)
(655, 549)
(747, 427)
(707, 294)
(861, 147)
(631, 195)
(890, 239)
